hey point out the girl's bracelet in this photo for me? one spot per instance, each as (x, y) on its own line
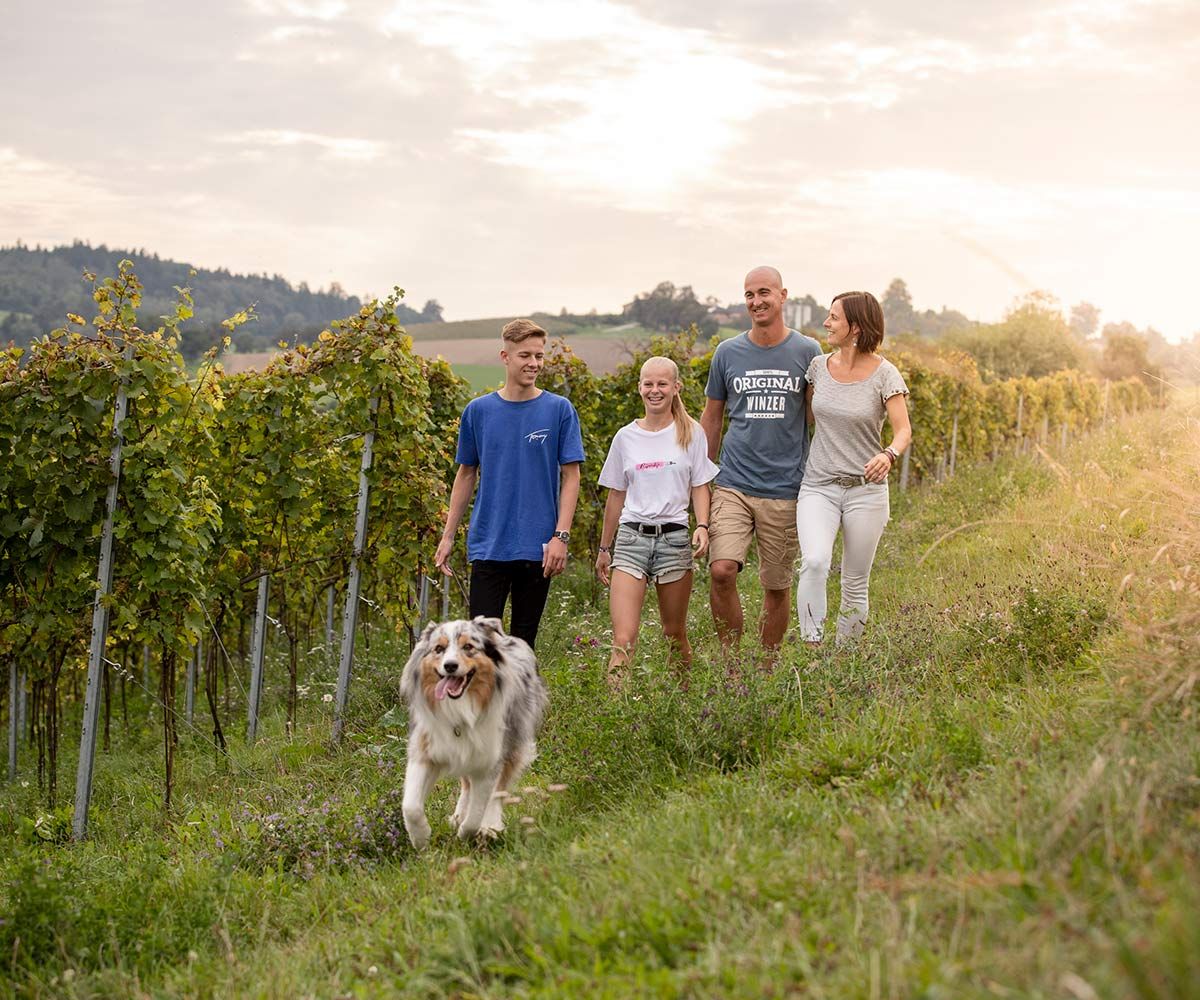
(892, 454)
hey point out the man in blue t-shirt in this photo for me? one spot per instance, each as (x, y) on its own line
(524, 447)
(757, 380)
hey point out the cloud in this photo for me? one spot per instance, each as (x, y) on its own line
(314, 10)
(336, 147)
(37, 196)
(604, 101)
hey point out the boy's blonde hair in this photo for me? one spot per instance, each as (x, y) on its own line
(520, 330)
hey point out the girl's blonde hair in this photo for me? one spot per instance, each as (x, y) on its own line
(684, 424)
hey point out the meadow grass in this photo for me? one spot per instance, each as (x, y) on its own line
(482, 378)
(995, 794)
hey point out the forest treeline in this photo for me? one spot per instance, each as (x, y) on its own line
(39, 286)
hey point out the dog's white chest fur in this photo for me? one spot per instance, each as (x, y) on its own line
(463, 741)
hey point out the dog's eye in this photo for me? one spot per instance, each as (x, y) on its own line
(440, 648)
(468, 647)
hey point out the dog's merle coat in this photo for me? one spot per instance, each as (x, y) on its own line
(475, 702)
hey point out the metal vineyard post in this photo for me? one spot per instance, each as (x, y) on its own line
(257, 648)
(350, 614)
(91, 701)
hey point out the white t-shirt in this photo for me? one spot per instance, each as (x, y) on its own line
(656, 474)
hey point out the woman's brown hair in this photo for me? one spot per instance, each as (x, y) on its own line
(863, 310)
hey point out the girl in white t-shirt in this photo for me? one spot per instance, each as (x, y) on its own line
(655, 465)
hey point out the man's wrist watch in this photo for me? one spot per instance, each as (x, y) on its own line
(562, 536)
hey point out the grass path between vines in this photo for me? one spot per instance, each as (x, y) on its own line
(998, 794)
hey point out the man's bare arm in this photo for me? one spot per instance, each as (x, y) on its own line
(711, 420)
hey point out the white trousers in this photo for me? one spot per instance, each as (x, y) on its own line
(861, 512)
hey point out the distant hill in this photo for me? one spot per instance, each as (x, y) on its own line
(39, 286)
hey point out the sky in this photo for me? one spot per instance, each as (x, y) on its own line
(519, 155)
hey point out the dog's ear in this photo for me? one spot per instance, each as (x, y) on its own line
(494, 625)
(427, 632)
(491, 630)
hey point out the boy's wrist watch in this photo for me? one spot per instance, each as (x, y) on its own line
(562, 536)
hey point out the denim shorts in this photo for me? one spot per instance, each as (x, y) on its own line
(662, 558)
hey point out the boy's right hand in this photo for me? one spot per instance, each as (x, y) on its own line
(441, 558)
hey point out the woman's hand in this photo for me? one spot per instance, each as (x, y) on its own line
(603, 566)
(699, 542)
(876, 470)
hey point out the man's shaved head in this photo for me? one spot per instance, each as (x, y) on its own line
(767, 273)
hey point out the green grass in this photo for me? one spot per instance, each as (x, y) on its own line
(996, 794)
(482, 378)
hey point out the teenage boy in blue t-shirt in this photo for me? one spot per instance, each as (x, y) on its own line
(524, 447)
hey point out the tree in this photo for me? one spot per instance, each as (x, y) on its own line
(1126, 354)
(1085, 320)
(667, 308)
(431, 312)
(1033, 340)
(897, 308)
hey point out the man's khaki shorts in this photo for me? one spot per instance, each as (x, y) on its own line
(735, 519)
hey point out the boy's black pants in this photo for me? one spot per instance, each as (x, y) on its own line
(493, 580)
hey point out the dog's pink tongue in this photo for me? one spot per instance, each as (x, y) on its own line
(439, 692)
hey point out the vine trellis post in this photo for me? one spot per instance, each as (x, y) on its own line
(189, 691)
(350, 612)
(14, 719)
(258, 642)
(330, 600)
(954, 444)
(423, 603)
(104, 572)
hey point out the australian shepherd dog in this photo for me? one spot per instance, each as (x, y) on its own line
(475, 703)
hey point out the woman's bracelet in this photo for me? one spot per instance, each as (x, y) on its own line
(605, 549)
(892, 454)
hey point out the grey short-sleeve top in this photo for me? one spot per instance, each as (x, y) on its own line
(849, 419)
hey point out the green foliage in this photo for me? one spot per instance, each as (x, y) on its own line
(222, 479)
(1033, 341)
(1125, 354)
(669, 308)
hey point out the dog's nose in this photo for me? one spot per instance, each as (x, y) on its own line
(449, 666)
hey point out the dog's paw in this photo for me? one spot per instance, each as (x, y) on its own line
(455, 820)
(487, 833)
(418, 831)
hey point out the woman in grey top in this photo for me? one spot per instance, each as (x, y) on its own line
(850, 392)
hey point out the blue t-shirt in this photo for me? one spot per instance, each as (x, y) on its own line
(518, 448)
(765, 448)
